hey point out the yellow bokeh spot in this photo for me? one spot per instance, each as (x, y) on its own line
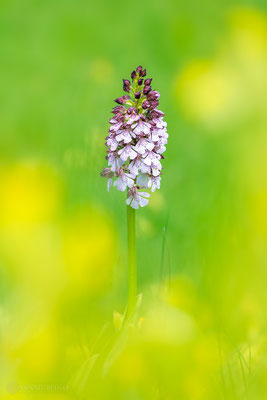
(167, 325)
(36, 354)
(204, 90)
(232, 85)
(249, 31)
(90, 250)
(29, 193)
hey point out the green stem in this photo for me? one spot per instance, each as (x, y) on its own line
(132, 269)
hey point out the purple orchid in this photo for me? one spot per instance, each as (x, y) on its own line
(137, 138)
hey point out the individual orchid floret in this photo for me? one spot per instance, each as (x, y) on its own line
(136, 199)
(136, 140)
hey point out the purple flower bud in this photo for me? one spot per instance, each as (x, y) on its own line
(154, 104)
(139, 69)
(118, 109)
(137, 95)
(143, 73)
(153, 95)
(146, 89)
(147, 82)
(140, 81)
(133, 75)
(156, 114)
(119, 117)
(120, 100)
(126, 85)
(132, 110)
(146, 104)
(123, 99)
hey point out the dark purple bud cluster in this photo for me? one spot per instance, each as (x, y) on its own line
(137, 138)
(141, 90)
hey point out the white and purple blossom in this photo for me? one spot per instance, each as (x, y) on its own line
(124, 180)
(137, 138)
(136, 199)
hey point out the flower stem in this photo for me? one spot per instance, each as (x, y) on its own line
(132, 268)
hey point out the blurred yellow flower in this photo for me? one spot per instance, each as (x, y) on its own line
(89, 246)
(37, 352)
(166, 324)
(232, 85)
(205, 90)
(249, 32)
(29, 193)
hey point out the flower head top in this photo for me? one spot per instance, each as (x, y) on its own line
(136, 140)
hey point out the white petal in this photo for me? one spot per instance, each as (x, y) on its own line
(144, 194)
(121, 185)
(133, 168)
(113, 121)
(116, 127)
(135, 204)
(155, 136)
(142, 180)
(114, 145)
(147, 160)
(143, 202)
(130, 182)
(133, 154)
(150, 146)
(155, 171)
(109, 183)
(140, 148)
(124, 154)
(127, 138)
(128, 200)
(144, 168)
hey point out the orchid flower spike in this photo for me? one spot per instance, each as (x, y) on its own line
(137, 138)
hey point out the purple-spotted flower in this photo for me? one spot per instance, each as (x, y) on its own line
(137, 138)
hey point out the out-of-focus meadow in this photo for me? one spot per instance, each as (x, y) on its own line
(199, 331)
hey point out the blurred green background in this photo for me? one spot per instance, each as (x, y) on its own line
(200, 329)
